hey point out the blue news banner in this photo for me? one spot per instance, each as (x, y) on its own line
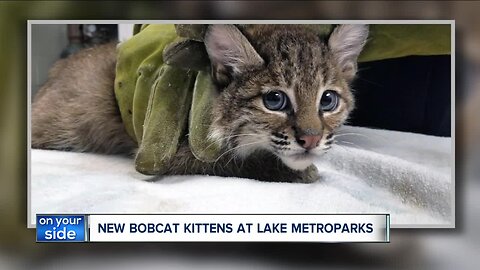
(61, 228)
(217, 228)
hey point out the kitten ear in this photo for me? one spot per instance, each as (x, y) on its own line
(346, 42)
(229, 51)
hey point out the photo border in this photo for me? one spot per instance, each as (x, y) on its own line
(452, 224)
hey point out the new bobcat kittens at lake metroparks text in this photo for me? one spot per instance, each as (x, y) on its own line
(282, 92)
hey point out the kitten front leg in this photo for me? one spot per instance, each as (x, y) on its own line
(271, 169)
(309, 175)
(260, 166)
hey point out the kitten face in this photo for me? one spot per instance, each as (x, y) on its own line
(286, 91)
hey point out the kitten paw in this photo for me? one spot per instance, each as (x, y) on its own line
(309, 175)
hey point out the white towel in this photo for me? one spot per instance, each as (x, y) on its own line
(368, 171)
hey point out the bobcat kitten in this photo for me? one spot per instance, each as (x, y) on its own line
(282, 92)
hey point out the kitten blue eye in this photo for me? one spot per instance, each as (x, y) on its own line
(329, 101)
(275, 100)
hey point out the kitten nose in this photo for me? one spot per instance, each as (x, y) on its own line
(309, 141)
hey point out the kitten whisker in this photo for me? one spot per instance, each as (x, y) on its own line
(369, 81)
(363, 68)
(358, 135)
(325, 148)
(351, 143)
(350, 134)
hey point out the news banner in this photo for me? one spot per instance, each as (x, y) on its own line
(214, 228)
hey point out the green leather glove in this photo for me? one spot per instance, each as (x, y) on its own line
(155, 98)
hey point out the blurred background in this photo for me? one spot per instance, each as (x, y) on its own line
(51, 42)
(422, 248)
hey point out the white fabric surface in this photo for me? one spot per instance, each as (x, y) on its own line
(368, 171)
